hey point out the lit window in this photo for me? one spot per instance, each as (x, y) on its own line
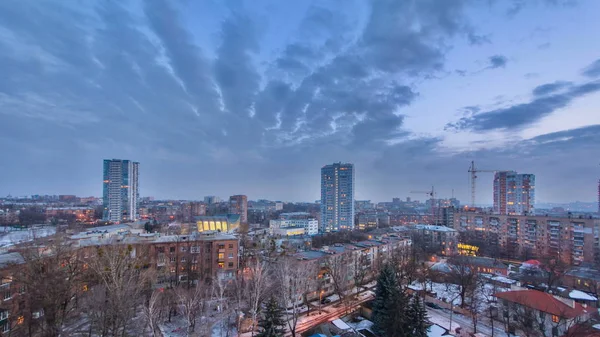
(85, 287)
(20, 320)
(555, 319)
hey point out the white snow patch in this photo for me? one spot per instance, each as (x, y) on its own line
(580, 295)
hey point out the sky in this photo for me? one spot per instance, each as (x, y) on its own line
(254, 97)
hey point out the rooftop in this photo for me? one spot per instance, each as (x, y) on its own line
(544, 302)
(10, 258)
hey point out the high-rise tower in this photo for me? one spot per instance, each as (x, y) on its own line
(337, 197)
(514, 193)
(120, 190)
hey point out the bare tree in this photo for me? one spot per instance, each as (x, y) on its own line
(52, 277)
(464, 275)
(256, 287)
(152, 312)
(220, 287)
(361, 269)
(294, 281)
(192, 302)
(121, 280)
(339, 269)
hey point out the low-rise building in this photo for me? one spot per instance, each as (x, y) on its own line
(295, 220)
(221, 223)
(541, 312)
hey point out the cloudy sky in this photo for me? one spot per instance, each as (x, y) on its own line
(253, 97)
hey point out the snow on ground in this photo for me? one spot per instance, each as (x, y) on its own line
(13, 236)
(580, 295)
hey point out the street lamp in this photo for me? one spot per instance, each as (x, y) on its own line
(321, 300)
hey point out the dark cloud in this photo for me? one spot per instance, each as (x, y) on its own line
(497, 61)
(522, 115)
(550, 88)
(82, 83)
(478, 40)
(593, 70)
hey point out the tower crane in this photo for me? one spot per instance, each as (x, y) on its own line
(431, 194)
(473, 170)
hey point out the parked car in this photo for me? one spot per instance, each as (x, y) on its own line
(325, 301)
(433, 305)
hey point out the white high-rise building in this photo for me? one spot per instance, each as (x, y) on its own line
(337, 197)
(120, 190)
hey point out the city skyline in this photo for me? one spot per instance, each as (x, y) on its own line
(254, 97)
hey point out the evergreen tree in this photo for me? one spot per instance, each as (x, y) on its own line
(417, 318)
(390, 305)
(272, 323)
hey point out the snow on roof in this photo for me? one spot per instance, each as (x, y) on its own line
(340, 324)
(580, 295)
(436, 331)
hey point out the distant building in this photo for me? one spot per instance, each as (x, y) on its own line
(298, 220)
(211, 199)
(238, 204)
(337, 197)
(514, 193)
(67, 198)
(362, 205)
(120, 190)
(367, 219)
(572, 239)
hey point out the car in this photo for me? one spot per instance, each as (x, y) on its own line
(325, 301)
(433, 305)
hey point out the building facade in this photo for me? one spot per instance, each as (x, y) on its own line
(120, 190)
(337, 197)
(238, 204)
(298, 220)
(572, 239)
(514, 193)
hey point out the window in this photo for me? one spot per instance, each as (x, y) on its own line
(85, 287)
(230, 265)
(230, 255)
(555, 319)
(172, 259)
(3, 314)
(20, 320)
(230, 245)
(221, 246)
(221, 256)
(183, 249)
(6, 327)
(161, 249)
(7, 295)
(195, 249)
(221, 265)
(183, 259)
(172, 249)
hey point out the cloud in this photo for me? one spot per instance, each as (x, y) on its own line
(522, 115)
(550, 88)
(593, 70)
(497, 61)
(478, 40)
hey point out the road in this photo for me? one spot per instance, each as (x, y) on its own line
(467, 324)
(330, 313)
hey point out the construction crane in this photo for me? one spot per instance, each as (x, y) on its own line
(473, 170)
(431, 194)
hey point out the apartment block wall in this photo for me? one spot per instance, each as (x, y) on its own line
(573, 240)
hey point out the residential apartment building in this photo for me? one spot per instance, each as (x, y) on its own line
(437, 239)
(514, 193)
(120, 190)
(238, 204)
(573, 240)
(337, 197)
(354, 263)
